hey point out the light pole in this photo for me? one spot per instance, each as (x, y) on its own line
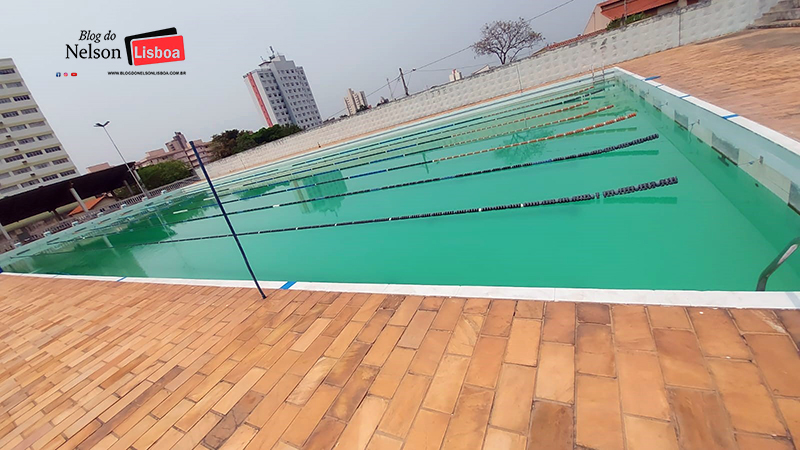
(135, 178)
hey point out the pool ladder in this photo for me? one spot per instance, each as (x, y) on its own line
(773, 266)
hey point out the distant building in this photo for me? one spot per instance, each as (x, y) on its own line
(180, 144)
(455, 75)
(597, 21)
(617, 9)
(355, 101)
(30, 153)
(281, 93)
(178, 149)
(98, 167)
(485, 68)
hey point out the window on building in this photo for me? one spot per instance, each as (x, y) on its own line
(41, 166)
(29, 183)
(32, 154)
(36, 124)
(61, 161)
(22, 98)
(52, 149)
(4, 175)
(67, 173)
(25, 141)
(5, 100)
(8, 189)
(18, 127)
(21, 171)
(7, 144)
(50, 177)
(14, 84)
(29, 110)
(7, 71)
(44, 136)
(10, 114)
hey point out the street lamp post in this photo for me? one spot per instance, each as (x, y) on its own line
(135, 178)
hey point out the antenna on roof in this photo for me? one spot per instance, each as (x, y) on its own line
(272, 50)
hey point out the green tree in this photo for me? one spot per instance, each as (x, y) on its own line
(245, 141)
(231, 142)
(163, 173)
(224, 144)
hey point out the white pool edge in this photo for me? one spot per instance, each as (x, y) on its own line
(712, 299)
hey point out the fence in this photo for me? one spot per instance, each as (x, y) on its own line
(704, 20)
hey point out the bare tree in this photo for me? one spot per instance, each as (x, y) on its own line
(506, 39)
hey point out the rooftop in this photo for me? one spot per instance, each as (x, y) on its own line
(119, 365)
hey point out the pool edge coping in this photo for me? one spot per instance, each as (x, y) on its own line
(712, 299)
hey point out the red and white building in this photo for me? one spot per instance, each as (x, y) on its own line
(281, 93)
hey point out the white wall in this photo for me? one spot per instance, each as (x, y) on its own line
(704, 20)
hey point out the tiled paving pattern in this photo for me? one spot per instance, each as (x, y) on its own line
(87, 364)
(753, 73)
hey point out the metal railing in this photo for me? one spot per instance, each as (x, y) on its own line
(38, 232)
(773, 266)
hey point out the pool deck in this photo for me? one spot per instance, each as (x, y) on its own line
(754, 73)
(99, 364)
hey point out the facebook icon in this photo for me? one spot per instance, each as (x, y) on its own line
(58, 74)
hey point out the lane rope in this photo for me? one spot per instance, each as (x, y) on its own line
(626, 190)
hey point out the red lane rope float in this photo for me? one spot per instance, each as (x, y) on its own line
(533, 141)
(423, 133)
(257, 184)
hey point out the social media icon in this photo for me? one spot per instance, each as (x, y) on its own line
(58, 74)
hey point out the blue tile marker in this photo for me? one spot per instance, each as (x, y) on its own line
(288, 285)
(227, 220)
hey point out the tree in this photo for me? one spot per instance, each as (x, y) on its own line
(224, 144)
(163, 173)
(506, 39)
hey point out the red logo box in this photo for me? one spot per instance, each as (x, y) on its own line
(157, 50)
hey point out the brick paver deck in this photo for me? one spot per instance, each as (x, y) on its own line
(754, 73)
(92, 364)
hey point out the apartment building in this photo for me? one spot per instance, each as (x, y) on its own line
(30, 153)
(355, 101)
(281, 93)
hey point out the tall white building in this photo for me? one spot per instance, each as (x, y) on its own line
(281, 93)
(30, 153)
(354, 100)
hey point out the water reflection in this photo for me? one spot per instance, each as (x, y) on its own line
(333, 184)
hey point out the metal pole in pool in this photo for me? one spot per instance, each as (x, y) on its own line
(225, 215)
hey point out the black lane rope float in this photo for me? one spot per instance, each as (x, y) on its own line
(435, 179)
(552, 201)
(403, 155)
(419, 163)
(414, 183)
(379, 151)
(406, 137)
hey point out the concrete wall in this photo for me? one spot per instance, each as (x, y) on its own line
(704, 20)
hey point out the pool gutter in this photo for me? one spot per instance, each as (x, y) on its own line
(714, 299)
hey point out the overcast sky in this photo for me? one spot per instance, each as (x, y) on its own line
(341, 44)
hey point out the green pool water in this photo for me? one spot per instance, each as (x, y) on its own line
(714, 230)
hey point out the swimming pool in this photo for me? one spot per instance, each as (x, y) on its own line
(514, 193)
